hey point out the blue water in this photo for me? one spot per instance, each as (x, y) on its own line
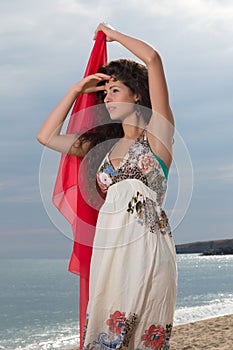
(205, 287)
(38, 305)
(39, 299)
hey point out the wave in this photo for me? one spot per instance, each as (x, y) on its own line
(66, 336)
(215, 308)
(50, 337)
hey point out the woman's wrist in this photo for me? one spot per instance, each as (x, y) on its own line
(74, 91)
(117, 35)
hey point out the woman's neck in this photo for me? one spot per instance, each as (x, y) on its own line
(133, 128)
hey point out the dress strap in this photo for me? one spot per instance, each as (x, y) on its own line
(161, 162)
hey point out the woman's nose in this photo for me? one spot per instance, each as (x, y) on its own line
(107, 98)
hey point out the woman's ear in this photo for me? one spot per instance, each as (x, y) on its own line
(137, 98)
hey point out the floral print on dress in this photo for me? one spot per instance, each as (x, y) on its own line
(148, 213)
(121, 329)
(156, 337)
(139, 163)
(104, 177)
(104, 181)
(137, 206)
(116, 322)
(120, 332)
(146, 163)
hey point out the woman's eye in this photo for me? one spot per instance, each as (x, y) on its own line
(115, 90)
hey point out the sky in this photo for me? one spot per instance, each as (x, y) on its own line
(44, 50)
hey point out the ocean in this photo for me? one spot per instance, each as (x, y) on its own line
(39, 299)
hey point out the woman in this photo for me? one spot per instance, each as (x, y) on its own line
(133, 268)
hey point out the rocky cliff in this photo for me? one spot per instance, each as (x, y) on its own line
(224, 246)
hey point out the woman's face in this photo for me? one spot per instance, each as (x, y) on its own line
(119, 100)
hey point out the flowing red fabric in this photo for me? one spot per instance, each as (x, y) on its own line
(68, 194)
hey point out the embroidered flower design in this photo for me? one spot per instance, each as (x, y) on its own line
(154, 337)
(146, 163)
(110, 170)
(137, 204)
(104, 181)
(163, 223)
(101, 185)
(116, 321)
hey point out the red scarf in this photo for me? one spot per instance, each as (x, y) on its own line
(67, 196)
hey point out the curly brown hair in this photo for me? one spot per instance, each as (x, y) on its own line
(106, 133)
(132, 74)
(135, 76)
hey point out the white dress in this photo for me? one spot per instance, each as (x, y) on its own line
(133, 276)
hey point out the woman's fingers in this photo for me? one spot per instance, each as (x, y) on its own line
(107, 29)
(91, 81)
(101, 76)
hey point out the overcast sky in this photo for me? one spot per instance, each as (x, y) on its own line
(44, 49)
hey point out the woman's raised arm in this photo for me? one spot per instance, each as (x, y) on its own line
(50, 132)
(161, 126)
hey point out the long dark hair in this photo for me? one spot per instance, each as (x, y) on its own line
(106, 132)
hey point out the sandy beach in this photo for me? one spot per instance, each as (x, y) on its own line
(212, 334)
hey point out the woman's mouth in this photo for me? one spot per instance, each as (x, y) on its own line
(111, 109)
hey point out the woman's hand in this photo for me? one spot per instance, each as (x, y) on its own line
(89, 84)
(108, 30)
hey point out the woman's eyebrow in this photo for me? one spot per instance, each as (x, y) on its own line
(112, 86)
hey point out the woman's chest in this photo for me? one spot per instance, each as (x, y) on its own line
(137, 163)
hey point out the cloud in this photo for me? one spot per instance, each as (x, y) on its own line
(224, 174)
(45, 46)
(32, 231)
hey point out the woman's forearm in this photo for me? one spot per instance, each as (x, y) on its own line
(139, 48)
(50, 132)
(53, 124)
(51, 128)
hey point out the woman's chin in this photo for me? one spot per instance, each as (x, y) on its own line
(114, 117)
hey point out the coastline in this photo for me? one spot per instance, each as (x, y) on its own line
(213, 333)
